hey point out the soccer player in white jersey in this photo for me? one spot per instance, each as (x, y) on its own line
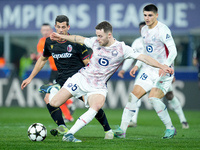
(90, 81)
(172, 100)
(158, 44)
(139, 47)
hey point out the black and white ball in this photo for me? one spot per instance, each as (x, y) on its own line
(37, 132)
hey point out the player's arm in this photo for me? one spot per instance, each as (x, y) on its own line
(167, 39)
(38, 66)
(126, 65)
(86, 61)
(72, 38)
(154, 63)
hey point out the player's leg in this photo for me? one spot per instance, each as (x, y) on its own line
(155, 97)
(142, 85)
(56, 114)
(133, 122)
(96, 101)
(101, 117)
(70, 105)
(176, 105)
(67, 115)
(129, 110)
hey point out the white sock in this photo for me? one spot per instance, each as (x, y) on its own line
(162, 112)
(129, 111)
(83, 120)
(134, 118)
(175, 104)
(53, 92)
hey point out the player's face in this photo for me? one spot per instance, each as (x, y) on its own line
(62, 27)
(102, 37)
(150, 18)
(46, 30)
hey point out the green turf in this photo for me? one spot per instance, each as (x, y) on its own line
(14, 123)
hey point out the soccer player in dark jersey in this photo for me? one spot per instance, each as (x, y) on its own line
(69, 58)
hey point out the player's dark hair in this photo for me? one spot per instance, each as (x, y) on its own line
(62, 18)
(45, 24)
(142, 23)
(151, 7)
(106, 26)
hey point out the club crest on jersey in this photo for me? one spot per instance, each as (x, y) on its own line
(51, 46)
(114, 53)
(69, 48)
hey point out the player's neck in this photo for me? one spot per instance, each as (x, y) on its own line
(153, 25)
(111, 42)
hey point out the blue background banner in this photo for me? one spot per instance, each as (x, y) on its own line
(23, 15)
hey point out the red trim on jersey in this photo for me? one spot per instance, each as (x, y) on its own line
(62, 41)
(166, 51)
(85, 57)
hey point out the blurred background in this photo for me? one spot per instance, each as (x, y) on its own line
(21, 20)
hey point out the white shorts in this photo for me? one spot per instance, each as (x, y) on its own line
(170, 88)
(148, 79)
(77, 85)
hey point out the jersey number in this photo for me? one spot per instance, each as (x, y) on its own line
(103, 62)
(74, 87)
(143, 76)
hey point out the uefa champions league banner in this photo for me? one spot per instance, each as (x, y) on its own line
(28, 16)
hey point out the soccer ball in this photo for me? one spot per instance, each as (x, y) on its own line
(37, 132)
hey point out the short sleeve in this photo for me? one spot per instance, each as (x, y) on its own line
(130, 52)
(46, 52)
(90, 41)
(83, 51)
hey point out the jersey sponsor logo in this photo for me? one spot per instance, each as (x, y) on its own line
(114, 53)
(103, 62)
(63, 55)
(98, 48)
(69, 48)
(168, 36)
(149, 48)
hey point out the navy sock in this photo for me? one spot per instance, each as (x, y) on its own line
(56, 114)
(101, 117)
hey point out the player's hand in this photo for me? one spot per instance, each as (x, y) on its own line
(25, 83)
(133, 71)
(165, 69)
(55, 36)
(121, 73)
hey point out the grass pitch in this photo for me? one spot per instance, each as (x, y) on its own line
(15, 121)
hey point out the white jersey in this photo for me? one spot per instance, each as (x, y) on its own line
(158, 43)
(105, 61)
(138, 45)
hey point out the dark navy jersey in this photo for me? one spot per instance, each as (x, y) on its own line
(68, 57)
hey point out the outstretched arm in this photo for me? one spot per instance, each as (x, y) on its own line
(72, 38)
(152, 62)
